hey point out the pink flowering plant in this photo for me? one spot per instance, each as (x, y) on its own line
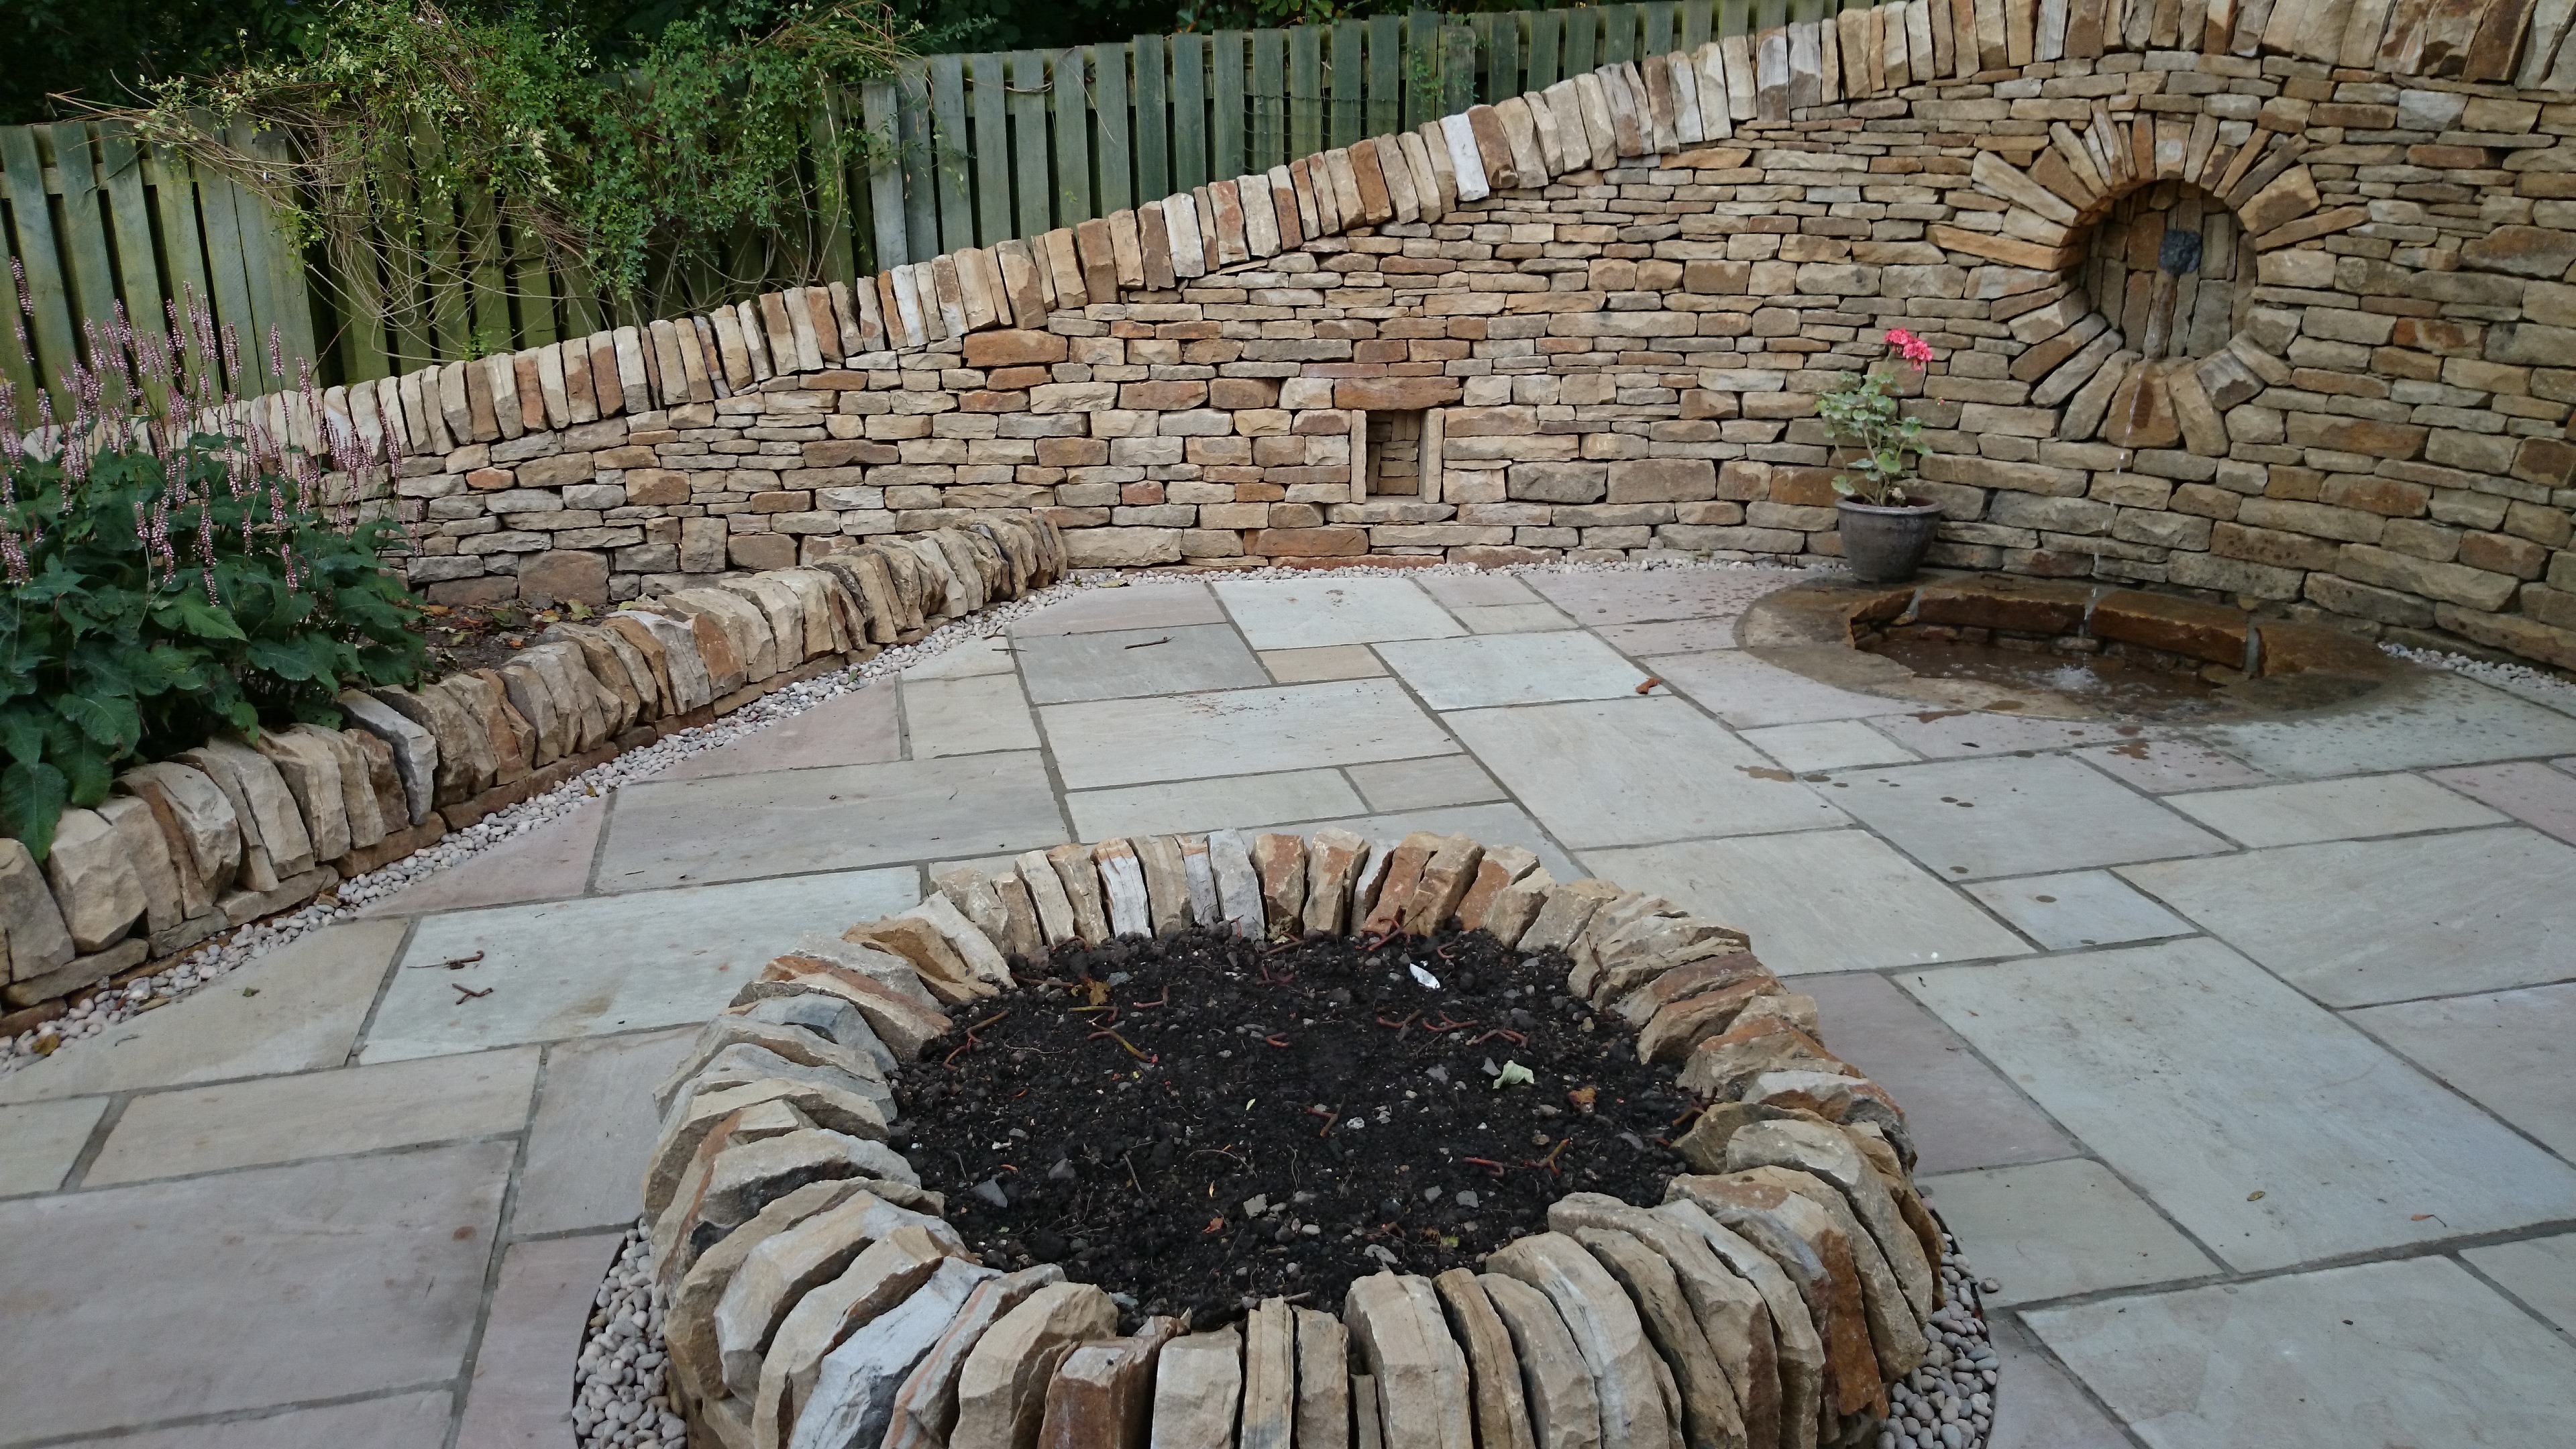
(170, 570)
(1865, 414)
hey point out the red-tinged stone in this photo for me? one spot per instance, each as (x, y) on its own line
(1103, 1392)
(1014, 347)
(2017, 606)
(2177, 626)
(1336, 540)
(1396, 887)
(1395, 394)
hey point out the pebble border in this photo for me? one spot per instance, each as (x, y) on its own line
(204, 964)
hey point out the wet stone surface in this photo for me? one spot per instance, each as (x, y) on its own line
(1199, 1122)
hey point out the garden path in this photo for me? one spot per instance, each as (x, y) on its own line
(2237, 1054)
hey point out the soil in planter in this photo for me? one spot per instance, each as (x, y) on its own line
(1198, 1122)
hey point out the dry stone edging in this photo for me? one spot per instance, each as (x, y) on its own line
(1792, 1291)
(227, 833)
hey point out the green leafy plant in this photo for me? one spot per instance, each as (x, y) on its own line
(1865, 414)
(712, 156)
(162, 580)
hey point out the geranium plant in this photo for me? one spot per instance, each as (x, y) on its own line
(1864, 413)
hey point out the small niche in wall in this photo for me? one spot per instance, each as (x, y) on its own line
(1395, 454)
(2163, 268)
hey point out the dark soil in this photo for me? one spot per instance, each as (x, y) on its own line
(1118, 1113)
(464, 637)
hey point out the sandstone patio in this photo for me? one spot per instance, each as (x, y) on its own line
(2235, 1053)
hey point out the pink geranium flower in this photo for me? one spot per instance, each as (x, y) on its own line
(1914, 349)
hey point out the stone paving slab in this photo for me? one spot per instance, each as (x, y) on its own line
(2056, 1229)
(975, 658)
(2270, 1130)
(1123, 663)
(611, 964)
(1332, 609)
(1943, 734)
(1477, 590)
(974, 716)
(2079, 908)
(1421, 784)
(349, 1275)
(593, 1131)
(1838, 744)
(1511, 618)
(2162, 766)
(2539, 1271)
(263, 1121)
(1745, 692)
(546, 863)
(1239, 732)
(1191, 806)
(863, 727)
(1817, 900)
(749, 826)
(1672, 636)
(1970, 819)
(2432, 719)
(2538, 795)
(398, 1421)
(1496, 669)
(2357, 808)
(297, 1010)
(1136, 606)
(39, 1141)
(2353, 923)
(2406, 1353)
(2514, 1052)
(519, 1396)
(1960, 1111)
(1635, 771)
(1633, 598)
(1327, 661)
(2037, 1406)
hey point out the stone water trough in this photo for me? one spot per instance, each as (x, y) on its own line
(807, 1293)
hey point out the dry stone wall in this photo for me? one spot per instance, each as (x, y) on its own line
(2239, 303)
(1794, 1291)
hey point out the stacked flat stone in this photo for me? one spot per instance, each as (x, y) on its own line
(228, 832)
(1772, 1301)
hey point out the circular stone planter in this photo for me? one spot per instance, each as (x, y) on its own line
(791, 1284)
(2052, 649)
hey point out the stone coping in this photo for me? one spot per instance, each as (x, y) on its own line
(236, 830)
(1824, 629)
(810, 1292)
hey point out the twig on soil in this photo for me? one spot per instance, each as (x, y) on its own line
(1515, 1038)
(971, 1040)
(1488, 1163)
(1132, 1049)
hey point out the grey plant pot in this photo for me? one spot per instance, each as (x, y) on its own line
(1886, 545)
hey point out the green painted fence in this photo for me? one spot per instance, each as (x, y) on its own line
(973, 149)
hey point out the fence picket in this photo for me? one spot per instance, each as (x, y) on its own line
(15, 365)
(138, 261)
(1269, 97)
(39, 251)
(1658, 15)
(84, 236)
(1072, 137)
(950, 151)
(1226, 103)
(1502, 45)
(885, 175)
(1031, 184)
(1350, 83)
(1305, 90)
(1189, 112)
(1112, 128)
(1385, 75)
(174, 194)
(912, 130)
(1153, 118)
(1546, 49)
(228, 274)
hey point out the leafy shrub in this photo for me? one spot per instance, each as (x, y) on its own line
(116, 648)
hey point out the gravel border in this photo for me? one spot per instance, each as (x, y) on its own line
(2523, 681)
(211, 961)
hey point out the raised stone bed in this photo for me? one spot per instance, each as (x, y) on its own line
(1930, 643)
(808, 1292)
(229, 832)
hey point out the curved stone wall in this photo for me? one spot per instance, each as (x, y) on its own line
(2267, 303)
(812, 1293)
